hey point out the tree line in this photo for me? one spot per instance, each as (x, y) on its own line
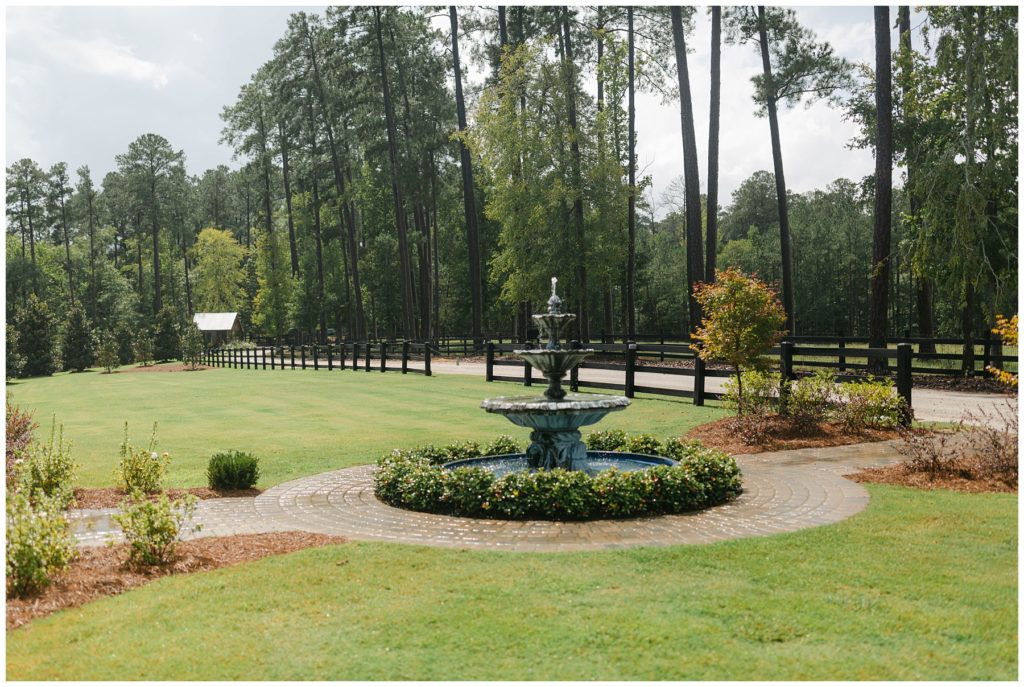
(375, 196)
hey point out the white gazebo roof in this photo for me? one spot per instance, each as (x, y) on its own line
(215, 321)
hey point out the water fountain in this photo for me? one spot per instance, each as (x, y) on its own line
(556, 416)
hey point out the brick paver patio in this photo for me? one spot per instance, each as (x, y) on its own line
(784, 491)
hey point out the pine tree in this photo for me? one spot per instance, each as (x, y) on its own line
(191, 344)
(108, 357)
(79, 343)
(36, 332)
(167, 338)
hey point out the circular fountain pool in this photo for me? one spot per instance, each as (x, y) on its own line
(595, 462)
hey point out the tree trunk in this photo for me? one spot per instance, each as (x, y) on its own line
(780, 177)
(967, 328)
(878, 300)
(630, 304)
(409, 324)
(716, 100)
(157, 300)
(267, 200)
(339, 180)
(502, 25)
(285, 168)
(694, 240)
(925, 286)
(577, 174)
(32, 245)
(67, 247)
(353, 252)
(468, 196)
(92, 255)
(317, 233)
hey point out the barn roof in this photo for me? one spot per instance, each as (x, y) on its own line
(215, 321)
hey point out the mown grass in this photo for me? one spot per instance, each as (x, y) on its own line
(298, 422)
(921, 586)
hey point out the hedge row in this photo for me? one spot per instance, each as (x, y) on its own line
(411, 479)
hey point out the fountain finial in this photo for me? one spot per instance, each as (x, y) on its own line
(554, 303)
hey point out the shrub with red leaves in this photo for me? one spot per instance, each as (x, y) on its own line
(19, 435)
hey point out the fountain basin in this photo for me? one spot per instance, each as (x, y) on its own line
(554, 362)
(594, 463)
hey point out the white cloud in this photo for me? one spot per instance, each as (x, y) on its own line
(98, 56)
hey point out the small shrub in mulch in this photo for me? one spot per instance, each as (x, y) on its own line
(980, 456)
(781, 434)
(104, 571)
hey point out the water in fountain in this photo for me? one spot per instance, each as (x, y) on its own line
(557, 416)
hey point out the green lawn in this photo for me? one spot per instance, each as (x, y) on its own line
(297, 422)
(921, 585)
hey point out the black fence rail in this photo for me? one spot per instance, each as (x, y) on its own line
(629, 360)
(383, 356)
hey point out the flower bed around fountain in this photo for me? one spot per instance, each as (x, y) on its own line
(418, 479)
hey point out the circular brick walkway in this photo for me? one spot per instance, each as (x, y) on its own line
(784, 491)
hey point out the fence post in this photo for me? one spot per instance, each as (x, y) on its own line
(366, 358)
(527, 374)
(405, 356)
(986, 351)
(383, 356)
(489, 373)
(291, 354)
(698, 379)
(355, 356)
(630, 369)
(426, 358)
(341, 353)
(842, 355)
(786, 367)
(574, 373)
(904, 378)
(273, 355)
(662, 348)
(302, 352)
(263, 356)
(330, 357)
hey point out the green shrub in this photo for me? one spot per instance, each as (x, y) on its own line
(812, 399)
(108, 357)
(466, 491)
(642, 443)
(36, 336)
(233, 470)
(502, 445)
(678, 448)
(152, 528)
(463, 449)
(609, 440)
(141, 469)
(39, 543)
(704, 477)
(125, 344)
(756, 406)
(15, 361)
(872, 403)
(167, 335)
(143, 347)
(48, 469)
(79, 342)
(191, 344)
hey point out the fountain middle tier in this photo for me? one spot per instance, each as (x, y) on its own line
(555, 439)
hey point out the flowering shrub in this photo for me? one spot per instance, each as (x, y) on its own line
(642, 443)
(608, 440)
(19, 435)
(502, 445)
(48, 469)
(39, 542)
(1007, 330)
(153, 528)
(704, 477)
(141, 469)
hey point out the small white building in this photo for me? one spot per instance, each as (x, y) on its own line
(218, 327)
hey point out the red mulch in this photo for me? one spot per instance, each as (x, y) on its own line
(784, 436)
(103, 571)
(903, 475)
(110, 497)
(948, 383)
(168, 367)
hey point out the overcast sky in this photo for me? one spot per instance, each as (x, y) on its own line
(83, 82)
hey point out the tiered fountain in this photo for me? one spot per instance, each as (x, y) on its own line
(557, 416)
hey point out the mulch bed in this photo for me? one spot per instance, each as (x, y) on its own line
(110, 497)
(949, 383)
(903, 475)
(170, 367)
(720, 434)
(103, 571)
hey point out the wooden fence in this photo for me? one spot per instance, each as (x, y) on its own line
(382, 356)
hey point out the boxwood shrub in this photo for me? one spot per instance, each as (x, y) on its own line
(412, 479)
